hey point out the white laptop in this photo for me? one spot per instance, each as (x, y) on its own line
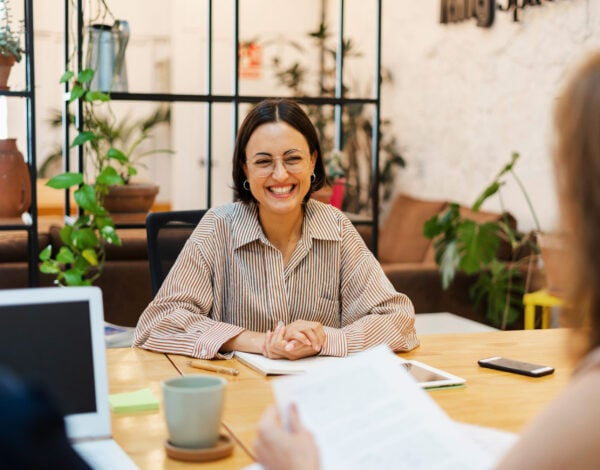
(55, 336)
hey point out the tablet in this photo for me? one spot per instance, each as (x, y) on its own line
(430, 377)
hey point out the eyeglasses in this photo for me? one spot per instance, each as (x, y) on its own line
(264, 166)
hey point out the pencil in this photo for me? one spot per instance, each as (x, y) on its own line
(210, 367)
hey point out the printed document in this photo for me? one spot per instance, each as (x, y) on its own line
(367, 413)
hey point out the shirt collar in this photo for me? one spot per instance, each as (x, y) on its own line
(246, 228)
(319, 223)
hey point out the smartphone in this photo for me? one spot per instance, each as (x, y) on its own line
(517, 367)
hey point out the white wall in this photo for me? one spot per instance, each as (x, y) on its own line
(465, 97)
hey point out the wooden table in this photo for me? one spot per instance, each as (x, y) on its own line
(490, 398)
(142, 435)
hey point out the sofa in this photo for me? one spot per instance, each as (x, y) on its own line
(408, 258)
(125, 282)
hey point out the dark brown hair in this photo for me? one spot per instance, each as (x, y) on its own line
(577, 169)
(275, 110)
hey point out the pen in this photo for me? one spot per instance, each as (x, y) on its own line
(210, 367)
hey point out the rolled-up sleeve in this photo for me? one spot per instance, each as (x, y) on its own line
(177, 320)
(372, 311)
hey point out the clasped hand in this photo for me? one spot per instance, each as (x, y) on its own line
(297, 340)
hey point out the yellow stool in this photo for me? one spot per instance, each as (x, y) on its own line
(543, 299)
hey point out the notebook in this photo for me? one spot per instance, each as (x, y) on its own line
(56, 336)
(425, 375)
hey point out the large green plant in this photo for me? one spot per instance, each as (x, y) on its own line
(80, 260)
(357, 130)
(462, 244)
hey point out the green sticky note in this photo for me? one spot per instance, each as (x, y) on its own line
(140, 400)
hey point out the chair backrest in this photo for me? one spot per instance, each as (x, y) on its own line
(167, 232)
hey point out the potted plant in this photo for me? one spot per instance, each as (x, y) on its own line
(355, 148)
(463, 244)
(10, 43)
(132, 196)
(80, 260)
(128, 135)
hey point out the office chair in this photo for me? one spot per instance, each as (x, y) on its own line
(166, 234)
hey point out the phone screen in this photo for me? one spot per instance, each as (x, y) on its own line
(528, 366)
(519, 367)
(422, 375)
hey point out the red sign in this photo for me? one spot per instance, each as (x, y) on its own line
(250, 60)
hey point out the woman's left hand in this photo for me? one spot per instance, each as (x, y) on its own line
(276, 448)
(276, 345)
(309, 333)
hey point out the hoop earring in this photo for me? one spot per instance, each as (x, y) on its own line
(246, 185)
(313, 177)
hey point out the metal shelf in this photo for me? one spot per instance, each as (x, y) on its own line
(339, 100)
(29, 95)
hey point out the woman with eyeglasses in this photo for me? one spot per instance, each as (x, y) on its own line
(276, 272)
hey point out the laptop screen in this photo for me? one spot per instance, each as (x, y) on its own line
(51, 344)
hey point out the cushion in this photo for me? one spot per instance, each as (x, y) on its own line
(401, 237)
(14, 245)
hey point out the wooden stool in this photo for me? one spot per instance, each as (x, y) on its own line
(541, 298)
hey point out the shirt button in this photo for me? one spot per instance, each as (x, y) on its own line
(203, 352)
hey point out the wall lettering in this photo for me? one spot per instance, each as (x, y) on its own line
(452, 11)
(515, 6)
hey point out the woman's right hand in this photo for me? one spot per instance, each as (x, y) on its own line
(276, 346)
(277, 448)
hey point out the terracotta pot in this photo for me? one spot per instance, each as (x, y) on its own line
(556, 262)
(130, 198)
(15, 186)
(6, 63)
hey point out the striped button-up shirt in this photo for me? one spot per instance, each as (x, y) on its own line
(229, 278)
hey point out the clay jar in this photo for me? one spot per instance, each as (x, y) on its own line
(15, 189)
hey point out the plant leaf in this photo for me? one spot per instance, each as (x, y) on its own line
(48, 267)
(74, 277)
(95, 95)
(109, 176)
(86, 199)
(83, 137)
(90, 256)
(65, 255)
(478, 244)
(85, 76)
(65, 180)
(68, 75)
(76, 93)
(109, 234)
(116, 154)
(487, 192)
(85, 238)
(45, 253)
(65, 234)
(448, 262)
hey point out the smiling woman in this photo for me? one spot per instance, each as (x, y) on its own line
(276, 272)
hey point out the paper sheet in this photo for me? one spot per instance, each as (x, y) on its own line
(366, 412)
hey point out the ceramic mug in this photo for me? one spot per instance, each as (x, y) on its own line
(193, 406)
